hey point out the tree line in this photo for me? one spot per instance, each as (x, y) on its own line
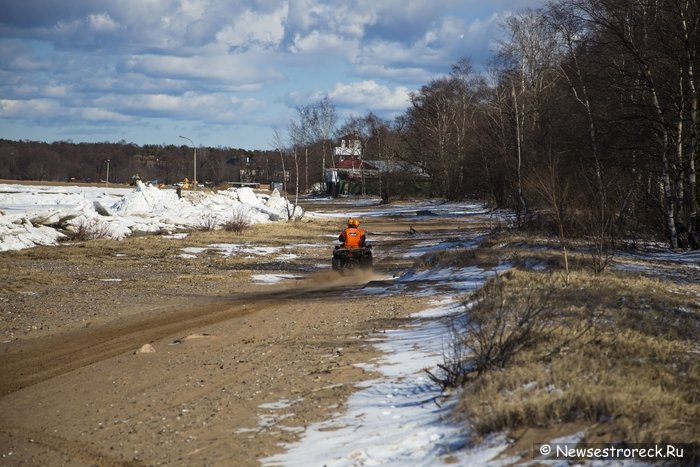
(87, 162)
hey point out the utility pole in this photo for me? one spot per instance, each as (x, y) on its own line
(194, 162)
(107, 181)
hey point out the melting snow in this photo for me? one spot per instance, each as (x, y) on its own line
(401, 418)
(273, 278)
(38, 215)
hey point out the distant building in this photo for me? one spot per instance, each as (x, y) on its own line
(350, 145)
(354, 165)
(350, 174)
(353, 175)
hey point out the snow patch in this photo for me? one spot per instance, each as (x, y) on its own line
(40, 215)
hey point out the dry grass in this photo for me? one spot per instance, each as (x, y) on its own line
(14, 279)
(634, 375)
(73, 258)
(268, 234)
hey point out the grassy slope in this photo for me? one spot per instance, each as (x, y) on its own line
(613, 354)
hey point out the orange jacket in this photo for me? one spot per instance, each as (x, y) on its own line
(352, 237)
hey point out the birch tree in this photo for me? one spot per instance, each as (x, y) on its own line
(636, 33)
(570, 32)
(528, 68)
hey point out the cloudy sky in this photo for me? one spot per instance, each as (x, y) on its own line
(222, 72)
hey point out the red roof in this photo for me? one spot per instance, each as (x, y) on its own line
(355, 163)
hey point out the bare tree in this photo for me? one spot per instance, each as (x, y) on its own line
(432, 115)
(570, 31)
(529, 54)
(315, 122)
(326, 121)
(554, 189)
(281, 148)
(301, 133)
(687, 15)
(635, 30)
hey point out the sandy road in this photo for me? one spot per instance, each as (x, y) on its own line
(212, 368)
(27, 362)
(84, 396)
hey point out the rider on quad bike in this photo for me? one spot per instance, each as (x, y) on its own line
(354, 250)
(353, 236)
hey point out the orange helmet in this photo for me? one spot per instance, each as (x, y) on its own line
(353, 222)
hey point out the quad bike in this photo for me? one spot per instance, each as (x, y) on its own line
(350, 258)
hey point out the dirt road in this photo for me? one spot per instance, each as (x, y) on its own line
(78, 386)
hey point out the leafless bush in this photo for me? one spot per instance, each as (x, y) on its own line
(503, 322)
(208, 223)
(500, 322)
(239, 222)
(600, 228)
(455, 363)
(90, 229)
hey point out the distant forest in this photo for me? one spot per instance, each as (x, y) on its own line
(59, 161)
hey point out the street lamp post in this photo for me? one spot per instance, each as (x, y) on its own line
(107, 181)
(194, 162)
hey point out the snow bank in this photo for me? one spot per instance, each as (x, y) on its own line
(40, 215)
(395, 419)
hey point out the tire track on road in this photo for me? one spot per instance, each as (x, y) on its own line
(27, 362)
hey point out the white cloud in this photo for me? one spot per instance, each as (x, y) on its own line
(429, 55)
(350, 19)
(250, 27)
(387, 52)
(51, 110)
(194, 9)
(437, 47)
(369, 95)
(48, 90)
(93, 114)
(102, 22)
(205, 107)
(304, 14)
(29, 109)
(233, 70)
(215, 108)
(400, 74)
(318, 42)
(65, 28)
